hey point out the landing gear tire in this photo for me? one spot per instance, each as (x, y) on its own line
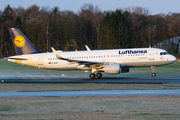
(153, 74)
(99, 75)
(152, 69)
(92, 75)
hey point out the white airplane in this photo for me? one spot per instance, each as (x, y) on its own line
(113, 61)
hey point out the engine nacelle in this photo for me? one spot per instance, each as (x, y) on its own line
(125, 70)
(112, 69)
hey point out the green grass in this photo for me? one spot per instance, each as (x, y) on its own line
(91, 108)
(79, 86)
(6, 108)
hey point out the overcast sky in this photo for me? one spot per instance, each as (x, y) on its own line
(154, 6)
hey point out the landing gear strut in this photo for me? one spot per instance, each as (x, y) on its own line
(99, 75)
(152, 69)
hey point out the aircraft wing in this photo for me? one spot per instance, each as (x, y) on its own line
(87, 63)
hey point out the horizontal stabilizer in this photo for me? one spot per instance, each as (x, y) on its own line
(14, 58)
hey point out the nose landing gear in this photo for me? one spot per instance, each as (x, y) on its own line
(152, 69)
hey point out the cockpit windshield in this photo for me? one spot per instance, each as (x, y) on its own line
(164, 53)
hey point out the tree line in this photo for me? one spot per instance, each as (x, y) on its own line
(132, 27)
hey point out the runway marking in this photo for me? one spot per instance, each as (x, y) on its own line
(90, 93)
(119, 80)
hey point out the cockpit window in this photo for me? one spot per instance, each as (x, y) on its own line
(164, 53)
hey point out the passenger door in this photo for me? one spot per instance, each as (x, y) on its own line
(40, 60)
(151, 54)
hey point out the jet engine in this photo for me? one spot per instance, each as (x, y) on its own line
(112, 69)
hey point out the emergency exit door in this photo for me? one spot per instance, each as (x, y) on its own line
(40, 60)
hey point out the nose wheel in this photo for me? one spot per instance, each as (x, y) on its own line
(152, 69)
(153, 74)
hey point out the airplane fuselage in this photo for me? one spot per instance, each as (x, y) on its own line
(140, 57)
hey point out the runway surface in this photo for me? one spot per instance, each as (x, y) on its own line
(115, 80)
(89, 93)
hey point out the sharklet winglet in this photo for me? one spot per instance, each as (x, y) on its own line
(56, 53)
(88, 49)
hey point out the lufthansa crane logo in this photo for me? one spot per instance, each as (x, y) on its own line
(19, 41)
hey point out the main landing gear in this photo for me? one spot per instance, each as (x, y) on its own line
(152, 69)
(92, 75)
(99, 75)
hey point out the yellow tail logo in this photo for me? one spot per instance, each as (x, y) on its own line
(19, 41)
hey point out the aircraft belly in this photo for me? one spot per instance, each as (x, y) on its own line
(59, 65)
(146, 64)
(32, 63)
(63, 67)
(72, 66)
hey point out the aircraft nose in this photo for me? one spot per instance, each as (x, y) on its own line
(173, 58)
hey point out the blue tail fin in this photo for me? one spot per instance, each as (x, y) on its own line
(21, 44)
